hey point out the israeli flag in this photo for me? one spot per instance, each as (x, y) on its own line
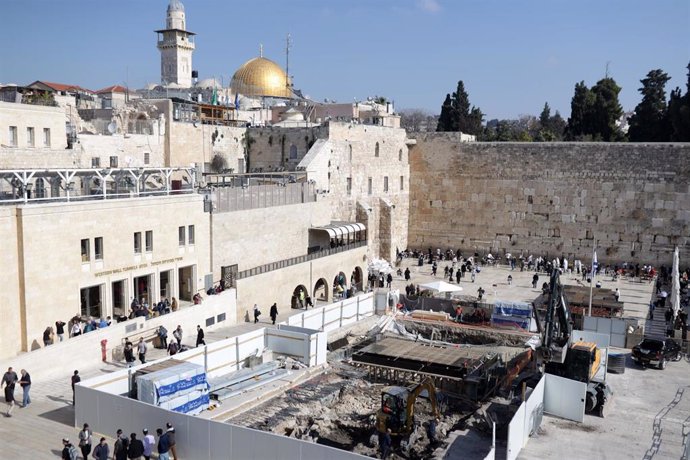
(595, 264)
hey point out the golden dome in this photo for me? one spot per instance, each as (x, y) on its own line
(261, 77)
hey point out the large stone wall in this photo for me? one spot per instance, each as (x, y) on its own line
(554, 198)
(270, 148)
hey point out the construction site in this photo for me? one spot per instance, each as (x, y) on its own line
(439, 374)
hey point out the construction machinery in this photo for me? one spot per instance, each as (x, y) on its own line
(398, 404)
(578, 361)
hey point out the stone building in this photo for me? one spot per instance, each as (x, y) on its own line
(176, 45)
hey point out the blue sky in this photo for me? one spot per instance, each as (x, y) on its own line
(513, 55)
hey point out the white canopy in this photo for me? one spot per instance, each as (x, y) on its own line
(341, 229)
(441, 286)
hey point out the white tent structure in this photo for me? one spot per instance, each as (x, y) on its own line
(675, 287)
(441, 286)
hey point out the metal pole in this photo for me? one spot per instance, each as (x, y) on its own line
(591, 279)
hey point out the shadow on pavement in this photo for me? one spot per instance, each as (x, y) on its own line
(64, 415)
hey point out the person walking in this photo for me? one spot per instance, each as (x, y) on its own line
(617, 295)
(407, 274)
(149, 443)
(85, 440)
(257, 313)
(136, 448)
(102, 450)
(163, 445)
(172, 348)
(48, 336)
(510, 280)
(199, 336)
(170, 431)
(129, 354)
(76, 329)
(69, 452)
(163, 334)
(458, 275)
(177, 333)
(60, 330)
(75, 379)
(274, 312)
(474, 273)
(141, 350)
(120, 447)
(535, 280)
(9, 379)
(25, 383)
(389, 280)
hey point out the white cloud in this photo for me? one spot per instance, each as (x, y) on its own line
(430, 6)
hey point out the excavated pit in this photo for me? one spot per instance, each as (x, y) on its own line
(454, 333)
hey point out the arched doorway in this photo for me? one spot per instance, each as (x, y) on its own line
(339, 285)
(357, 279)
(299, 296)
(321, 290)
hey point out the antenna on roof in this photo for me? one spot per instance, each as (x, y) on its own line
(261, 50)
(288, 44)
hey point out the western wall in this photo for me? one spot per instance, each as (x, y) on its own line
(550, 198)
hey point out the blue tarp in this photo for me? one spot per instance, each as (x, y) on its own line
(508, 308)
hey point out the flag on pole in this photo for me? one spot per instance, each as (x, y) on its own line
(214, 98)
(595, 264)
(237, 101)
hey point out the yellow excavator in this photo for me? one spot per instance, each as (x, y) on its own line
(397, 407)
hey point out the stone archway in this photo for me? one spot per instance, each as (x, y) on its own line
(321, 290)
(339, 285)
(299, 296)
(357, 279)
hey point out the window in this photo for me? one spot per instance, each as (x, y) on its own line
(98, 247)
(13, 136)
(370, 186)
(349, 186)
(147, 158)
(402, 182)
(190, 234)
(385, 183)
(376, 150)
(400, 155)
(137, 243)
(149, 240)
(46, 137)
(180, 235)
(30, 138)
(85, 250)
(293, 152)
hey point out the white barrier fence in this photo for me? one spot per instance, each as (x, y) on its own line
(85, 349)
(100, 401)
(615, 328)
(526, 420)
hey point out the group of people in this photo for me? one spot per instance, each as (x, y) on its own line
(142, 308)
(125, 447)
(9, 381)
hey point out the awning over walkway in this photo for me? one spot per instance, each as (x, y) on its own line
(341, 229)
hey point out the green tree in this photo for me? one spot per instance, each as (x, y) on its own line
(607, 111)
(580, 113)
(650, 122)
(445, 120)
(457, 114)
(679, 113)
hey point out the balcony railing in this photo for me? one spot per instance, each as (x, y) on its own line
(299, 259)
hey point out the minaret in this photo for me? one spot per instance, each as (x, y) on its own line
(176, 46)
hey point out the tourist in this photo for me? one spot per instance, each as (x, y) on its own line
(120, 446)
(173, 348)
(617, 295)
(163, 445)
(199, 336)
(173, 306)
(535, 280)
(85, 440)
(103, 323)
(257, 313)
(274, 312)
(407, 274)
(458, 275)
(141, 350)
(434, 267)
(149, 442)
(69, 452)
(129, 354)
(163, 336)
(76, 328)
(102, 450)
(480, 293)
(75, 379)
(48, 336)
(389, 280)
(25, 383)
(308, 303)
(510, 280)
(9, 379)
(170, 431)
(136, 448)
(60, 330)
(177, 334)
(474, 274)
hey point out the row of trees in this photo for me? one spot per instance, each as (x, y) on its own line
(595, 115)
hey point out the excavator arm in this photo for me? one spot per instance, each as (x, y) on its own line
(428, 385)
(557, 327)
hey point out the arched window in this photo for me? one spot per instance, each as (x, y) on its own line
(293, 152)
(400, 155)
(376, 150)
(350, 152)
